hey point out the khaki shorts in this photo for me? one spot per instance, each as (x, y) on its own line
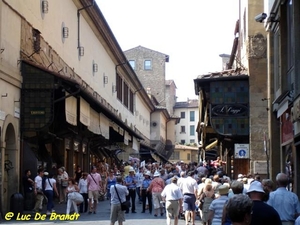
(172, 207)
(116, 214)
(94, 195)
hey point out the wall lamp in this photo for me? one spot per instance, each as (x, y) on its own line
(114, 88)
(65, 32)
(95, 67)
(81, 51)
(45, 6)
(105, 79)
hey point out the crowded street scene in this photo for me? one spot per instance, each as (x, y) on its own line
(150, 112)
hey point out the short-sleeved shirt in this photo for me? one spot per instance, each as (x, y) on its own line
(93, 184)
(38, 180)
(130, 180)
(172, 192)
(217, 207)
(263, 214)
(122, 191)
(146, 183)
(47, 185)
(286, 203)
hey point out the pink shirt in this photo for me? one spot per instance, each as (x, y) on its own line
(157, 185)
(92, 185)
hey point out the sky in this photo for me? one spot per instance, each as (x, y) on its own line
(192, 32)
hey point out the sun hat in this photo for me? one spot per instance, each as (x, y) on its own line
(156, 174)
(255, 186)
(223, 189)
(131, 169)
(240, 176)
(147, 173)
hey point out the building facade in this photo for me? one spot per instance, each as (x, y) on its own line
(281, 22)
(150, 68)
(68, 94)
(233, 103)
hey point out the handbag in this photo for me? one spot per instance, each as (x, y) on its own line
(124, 205)
(64, 183)
(76, 197)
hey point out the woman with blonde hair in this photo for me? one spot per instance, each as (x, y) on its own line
(206, 197)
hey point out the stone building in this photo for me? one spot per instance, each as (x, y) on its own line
(232, 102)
(149, 65)
(68, 94)
(281, 20)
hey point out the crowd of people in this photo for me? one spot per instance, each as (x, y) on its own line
(177, 190)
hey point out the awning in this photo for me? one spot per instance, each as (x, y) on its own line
(71, 110)
(94, 122)
(104, 126)
(211, 145)
(135, 144)
(95, 101)
(84, 112)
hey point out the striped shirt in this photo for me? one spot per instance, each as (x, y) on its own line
(217, 206)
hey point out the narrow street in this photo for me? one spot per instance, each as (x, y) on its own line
(101, 217)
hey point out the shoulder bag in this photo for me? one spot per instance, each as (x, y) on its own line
(101, 194)
(124, 205)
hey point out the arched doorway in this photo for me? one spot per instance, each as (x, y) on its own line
(9, 167)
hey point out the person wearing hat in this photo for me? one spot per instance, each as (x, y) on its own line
(262, 212)
(156, 187)
(172, 195)
(130, 183)
(146, 195)
(285, 202)
(217, 206)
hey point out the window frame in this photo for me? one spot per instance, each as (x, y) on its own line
(147, 67)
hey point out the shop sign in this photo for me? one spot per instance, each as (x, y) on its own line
(241, 151)
(229, 110)
(37, 112)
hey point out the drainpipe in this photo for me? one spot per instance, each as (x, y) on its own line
(78, 20)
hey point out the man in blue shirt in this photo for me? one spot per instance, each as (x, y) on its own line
(116, 213)
(130, 183)
(285, 202)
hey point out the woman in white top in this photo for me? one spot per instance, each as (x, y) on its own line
(50, 189)
(70, 189)
(84, 192)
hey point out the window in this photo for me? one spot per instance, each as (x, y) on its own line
(188, 156)
(182, 129)
(126, 95)
(192, 141)
(147, 65)
(192, 130)
(132, 64)
(192, 116)
(175, 156)
(182, 115)
(119, 88)
(131, 101)
(182, 142)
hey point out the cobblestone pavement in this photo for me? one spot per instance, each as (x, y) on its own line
(101, 217)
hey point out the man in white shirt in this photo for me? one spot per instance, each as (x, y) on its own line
(116, 213)
(38, 191)
(189, 189)
(173, 197)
